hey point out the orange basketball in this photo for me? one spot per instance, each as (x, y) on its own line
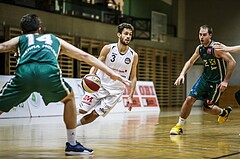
(91, 83)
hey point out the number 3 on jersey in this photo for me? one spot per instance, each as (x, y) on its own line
(113, 58)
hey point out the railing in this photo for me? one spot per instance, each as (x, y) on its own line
(96, 12)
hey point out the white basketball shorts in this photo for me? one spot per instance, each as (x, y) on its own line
(102, 101)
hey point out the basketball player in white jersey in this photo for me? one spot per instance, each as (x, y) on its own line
(123, 60)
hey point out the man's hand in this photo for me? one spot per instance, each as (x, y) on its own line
(223, 86)
(219, 46)
(180, 80)
(129, 103)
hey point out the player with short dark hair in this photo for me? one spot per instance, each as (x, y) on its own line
(38, 70)
(123, 60)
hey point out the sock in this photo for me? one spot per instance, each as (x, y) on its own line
(71, 136)
(222, 113)
(79, 123)
(181, 121)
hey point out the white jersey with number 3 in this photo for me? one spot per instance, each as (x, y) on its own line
(120, 63)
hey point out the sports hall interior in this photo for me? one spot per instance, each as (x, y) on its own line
(89, 25)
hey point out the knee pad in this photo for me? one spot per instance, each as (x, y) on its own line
(208, 104)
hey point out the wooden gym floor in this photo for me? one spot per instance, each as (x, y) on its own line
(131, 135)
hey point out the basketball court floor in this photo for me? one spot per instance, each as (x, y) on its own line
(131, 135)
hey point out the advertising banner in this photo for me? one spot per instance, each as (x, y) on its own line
(144, 99)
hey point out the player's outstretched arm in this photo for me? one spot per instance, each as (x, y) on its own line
(10, 45)
(221, 47)
(81, 55)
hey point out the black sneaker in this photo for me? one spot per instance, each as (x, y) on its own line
(77, 149)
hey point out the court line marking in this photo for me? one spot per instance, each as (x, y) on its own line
(232, 154)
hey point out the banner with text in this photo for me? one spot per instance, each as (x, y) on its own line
(144, 99)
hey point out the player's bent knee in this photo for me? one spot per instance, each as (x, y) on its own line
(68, 98)
(190, 100)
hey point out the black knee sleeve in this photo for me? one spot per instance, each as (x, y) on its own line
(207, 104)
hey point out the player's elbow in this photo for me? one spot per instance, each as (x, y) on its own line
(191, 62)
(233, 63)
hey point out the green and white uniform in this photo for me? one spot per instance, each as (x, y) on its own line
(206, 88)
(37, 71)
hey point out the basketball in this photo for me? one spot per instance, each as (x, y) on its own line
(91, 83)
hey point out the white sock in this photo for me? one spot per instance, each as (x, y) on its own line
(221, 112)
(71, 136)
(181, 121)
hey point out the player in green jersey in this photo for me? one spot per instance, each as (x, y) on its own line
(233, 49)
(218, 68)
(37, 70)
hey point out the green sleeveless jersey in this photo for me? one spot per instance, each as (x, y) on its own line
(41, 48)
(214, 68)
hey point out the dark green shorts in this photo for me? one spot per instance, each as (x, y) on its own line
(34, 77)
(203, 90)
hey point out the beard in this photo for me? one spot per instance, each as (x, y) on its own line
(123, 42)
